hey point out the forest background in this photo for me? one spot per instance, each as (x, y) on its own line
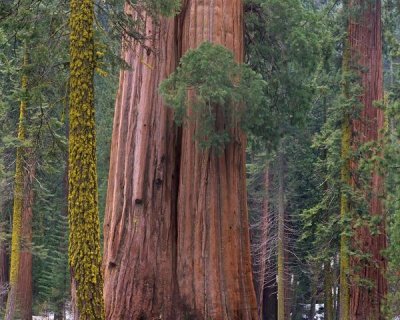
(299, 90)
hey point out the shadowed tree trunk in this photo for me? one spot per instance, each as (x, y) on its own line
(281, 239)
(24, 290)
(4, 272)
(213, 235)
(140, 220)
(328, 296)
(365, 40)
(270, 303)
(264, 275)
(263, 259)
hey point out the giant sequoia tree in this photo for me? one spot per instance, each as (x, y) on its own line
(176, 230)
(368, 286)
(140, 219)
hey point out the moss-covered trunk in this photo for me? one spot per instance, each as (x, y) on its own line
(84, 240)
(18, 199)
(344, 299)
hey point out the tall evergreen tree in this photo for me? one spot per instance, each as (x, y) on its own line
(84, 242)
(368, 285)
(12, 300)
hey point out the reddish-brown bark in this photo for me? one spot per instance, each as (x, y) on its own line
(24, 285)
(365, 40)
(214, 264)
(176, 230)
(140, 220)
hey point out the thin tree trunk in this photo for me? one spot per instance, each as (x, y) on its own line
(313, 292)
(336, 286)
(365, 38)
(18, 202)
(4, 272)
(328, 284)
(25, 289)
(59, 313)
(270, 303)
(344, 291)
(281, 239)
(213, 235)
(266, 288)
(264, 235)
(295, 294)
(140, 220)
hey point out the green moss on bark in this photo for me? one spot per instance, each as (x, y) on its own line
(84, 241)
(18, 200)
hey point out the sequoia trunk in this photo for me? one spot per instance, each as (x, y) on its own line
(176, 229)
(214, 263)
(365, 38)
(24, 290)
(140, 221)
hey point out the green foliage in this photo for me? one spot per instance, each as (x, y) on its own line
(50, 260)
(209, 85)
(283, 41)
(44, 24)
(392, 152)
(166, 8)
(106, 88)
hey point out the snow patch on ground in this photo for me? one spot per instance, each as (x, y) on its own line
(50, 316)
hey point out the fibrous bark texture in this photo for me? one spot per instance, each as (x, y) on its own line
(176, 229)
(214, 264)
(365, 39)
(140, 221)
(24, 289)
